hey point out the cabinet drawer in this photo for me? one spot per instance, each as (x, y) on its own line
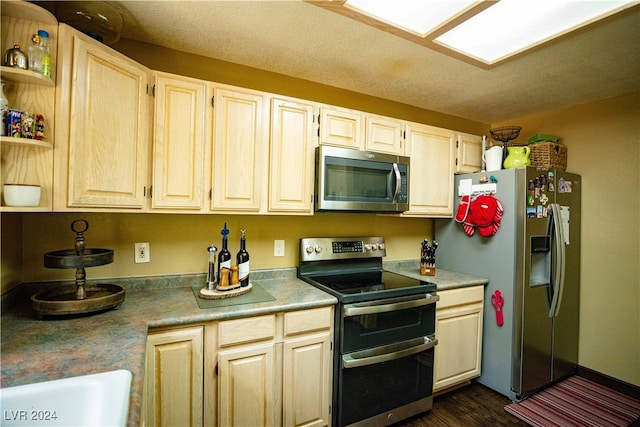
(451, 297)
(297, 322)
(244, 330)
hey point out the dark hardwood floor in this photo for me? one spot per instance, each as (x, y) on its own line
(468, 406)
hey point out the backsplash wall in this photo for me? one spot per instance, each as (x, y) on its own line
(178, 243)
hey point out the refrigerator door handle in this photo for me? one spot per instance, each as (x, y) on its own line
(558, 274)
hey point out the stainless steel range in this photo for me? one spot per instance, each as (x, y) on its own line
(384, 331)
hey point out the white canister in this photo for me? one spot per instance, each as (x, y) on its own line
(493, 158)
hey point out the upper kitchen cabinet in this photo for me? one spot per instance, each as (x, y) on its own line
(358, 130)
(26, 160)
(292, 156)
(102, 143)
(341, 127)
(431, 170)
(468, 153)
(384, 135)
(180, 124)
(240, 150)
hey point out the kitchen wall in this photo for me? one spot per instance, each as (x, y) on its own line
(603, 143)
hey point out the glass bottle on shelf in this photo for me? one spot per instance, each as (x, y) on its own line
(46, 55)
(242, 260)
(35, 54)
(39, 54)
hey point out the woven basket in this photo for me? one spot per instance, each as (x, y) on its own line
(548, 155)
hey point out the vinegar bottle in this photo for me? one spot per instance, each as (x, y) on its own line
(224, 257)
(242, 260)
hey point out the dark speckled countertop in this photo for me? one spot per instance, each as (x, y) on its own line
(34, 350)
(444, 279)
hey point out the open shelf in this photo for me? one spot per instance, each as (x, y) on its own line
(25, 141)
(19, 75)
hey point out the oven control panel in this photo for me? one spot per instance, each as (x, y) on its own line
(328, 248)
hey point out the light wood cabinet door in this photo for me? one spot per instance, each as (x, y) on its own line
(239, 151)
(341, 127)
(458, 354)
(247, 386)
(174, 378)
(307, 380)
(179, 142)
(432, 154)
(468, 153)
(384, 135)
(108, 117)
(292, 157)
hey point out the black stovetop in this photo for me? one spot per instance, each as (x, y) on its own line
(368, 285)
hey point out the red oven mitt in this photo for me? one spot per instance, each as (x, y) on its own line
(492, 211)
(462, 216)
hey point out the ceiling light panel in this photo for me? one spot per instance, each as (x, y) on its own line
(511, 26)
(415, 16)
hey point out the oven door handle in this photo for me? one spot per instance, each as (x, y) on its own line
(387, 353)
(359, 309)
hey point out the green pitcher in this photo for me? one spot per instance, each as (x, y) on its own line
(517, 157)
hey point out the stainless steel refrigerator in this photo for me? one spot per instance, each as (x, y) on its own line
(533, 260)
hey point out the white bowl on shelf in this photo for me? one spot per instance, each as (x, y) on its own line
(21, 195)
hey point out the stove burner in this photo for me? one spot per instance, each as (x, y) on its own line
(365, 282)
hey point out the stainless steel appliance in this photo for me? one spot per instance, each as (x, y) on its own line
(533, 260)
(384, 331)
(352, 180)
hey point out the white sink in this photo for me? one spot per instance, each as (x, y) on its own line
(89, 400)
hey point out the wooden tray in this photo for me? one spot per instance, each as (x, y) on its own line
(62, 300)
(205, 293)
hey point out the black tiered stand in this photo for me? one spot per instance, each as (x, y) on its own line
(79, 298)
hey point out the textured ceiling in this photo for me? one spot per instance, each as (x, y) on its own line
(299, 39)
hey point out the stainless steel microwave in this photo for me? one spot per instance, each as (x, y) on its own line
(361, 181)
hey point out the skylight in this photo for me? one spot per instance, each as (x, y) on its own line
(418, 17)
(511, 26)
(484, 31)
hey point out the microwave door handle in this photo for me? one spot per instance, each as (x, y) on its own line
(352, 360)
(396, 172)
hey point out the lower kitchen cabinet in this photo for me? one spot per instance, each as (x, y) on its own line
(270, 370)
(173, 384)
(307, 368)
(458, 354)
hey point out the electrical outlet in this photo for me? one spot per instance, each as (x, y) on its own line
(278, 248)
(142, 252)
